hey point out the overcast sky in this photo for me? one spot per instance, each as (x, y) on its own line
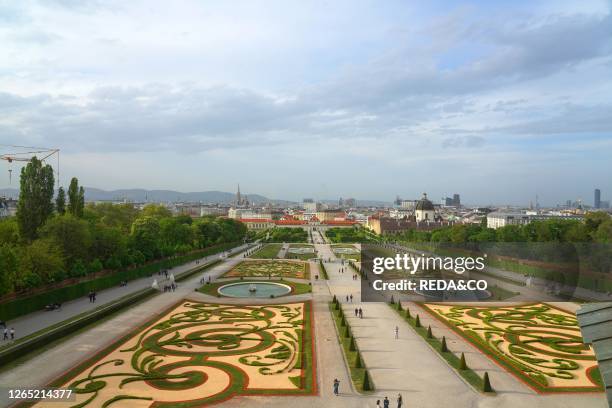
(498, 101)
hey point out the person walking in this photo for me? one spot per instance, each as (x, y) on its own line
(400, 401)
(386, 403)
(356, 312)
(6, 331)
(378, 404)
(360, 313)
(336, 386)
(12, 333)
(396, 332)
(351, 298)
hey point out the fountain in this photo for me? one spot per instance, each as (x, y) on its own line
(252, 288)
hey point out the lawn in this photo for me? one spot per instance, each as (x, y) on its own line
(539, 344)
(301, 251)
(275, 269)
(268, 251)
(357, 368)
(345, 251)
(198, 354)
(296, 287)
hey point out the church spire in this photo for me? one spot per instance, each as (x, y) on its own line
(238, 198)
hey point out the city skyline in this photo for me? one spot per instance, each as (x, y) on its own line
(323, 100)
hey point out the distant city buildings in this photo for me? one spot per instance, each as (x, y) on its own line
(501, 219)
(597, 199)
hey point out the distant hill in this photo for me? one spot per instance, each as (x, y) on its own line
(141, 195)
(137, 194)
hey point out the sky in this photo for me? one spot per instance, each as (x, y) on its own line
(497, 101)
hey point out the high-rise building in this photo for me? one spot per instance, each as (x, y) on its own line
(456, 200)
(597, 201)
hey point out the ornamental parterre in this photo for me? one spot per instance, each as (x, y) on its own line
(540, 344)
(201, 353)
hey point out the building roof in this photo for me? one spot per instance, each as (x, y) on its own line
(424, 204)
(596, 324)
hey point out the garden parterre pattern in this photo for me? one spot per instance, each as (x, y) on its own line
(201, 353)
(264, 269)
(538, 343)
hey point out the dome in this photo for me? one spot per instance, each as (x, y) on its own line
(424, 204)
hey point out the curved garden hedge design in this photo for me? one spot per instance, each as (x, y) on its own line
(264, 269)
(202, 353)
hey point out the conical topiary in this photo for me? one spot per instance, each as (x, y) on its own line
(343, 322)
(352, 346)
(399, 306)
(462, 362)
(417, 322)
(335, 299)
(366, 382)
(443, 347)
(358, 362)
(486, 384)
(408, 313)
(392, 300)
(429, 334)
(347, 332)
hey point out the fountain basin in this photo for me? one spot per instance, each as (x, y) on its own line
(262, 289)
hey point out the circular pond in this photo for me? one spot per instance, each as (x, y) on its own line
(254, 289)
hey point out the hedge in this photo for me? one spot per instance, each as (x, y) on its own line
(20, 349)
(25, 305)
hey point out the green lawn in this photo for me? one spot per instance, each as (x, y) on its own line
(268, 251)
(356, 256)
(296, 288)
(357, 373)
(304, 256)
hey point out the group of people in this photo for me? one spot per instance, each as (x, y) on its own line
(386, 402)
(7, 332)
(359, 313)
(92, 296)
(170, 287)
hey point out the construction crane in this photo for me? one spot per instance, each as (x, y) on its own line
(26, 153)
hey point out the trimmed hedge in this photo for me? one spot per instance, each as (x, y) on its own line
(20, 349)
(22, 306)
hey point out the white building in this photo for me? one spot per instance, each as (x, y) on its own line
(501, 219)
(424, 210)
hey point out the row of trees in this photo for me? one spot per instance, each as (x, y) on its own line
(50, 240)
(596, 227)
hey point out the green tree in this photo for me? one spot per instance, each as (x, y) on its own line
(9, 231)
(155, 210)
(145, 236)
(76, 198)
(8, 269)
(71, 235)
(60, 201)
(40, 262)
(35, 198)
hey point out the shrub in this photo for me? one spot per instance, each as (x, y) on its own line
(417, 322)
(352, 346)
(429, 334)
(408, 313)
(486, 383)
(358, 362)
(443, 347)
(366, 381)
(462, 362)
